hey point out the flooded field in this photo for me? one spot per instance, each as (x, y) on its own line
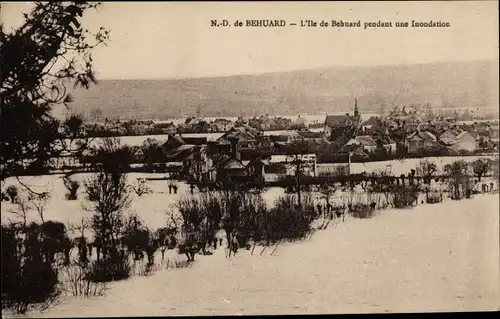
(432, 258)
(441, 257)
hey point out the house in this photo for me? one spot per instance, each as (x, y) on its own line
(264, 122)
(256, 170)
(285, 137)
(419, 140)
(373, 121)
(464, 141)
(195, 125)
(449, 134)
(392, 124)
(367, 143)
(118, 130)
(138, 154)
(245, 134)
(231, 168)
(164, 128)
(354, 151)
(221, 125)
(198, 166)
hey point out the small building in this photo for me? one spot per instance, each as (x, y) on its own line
(373, 121)
(419, 140)
(367, 143)
(221, 125)
(464, 141)
(164, 128)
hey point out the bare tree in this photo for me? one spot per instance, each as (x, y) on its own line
(23, 207)
(327, 191)
(108, 196)
(426, 170)
(458, 178)
(481, 167)
(72, 187)
(140, 188)
(296, 158)
(39, 202)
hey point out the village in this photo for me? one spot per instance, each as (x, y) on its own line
(260, 150)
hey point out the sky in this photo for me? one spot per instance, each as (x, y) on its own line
(153, 40)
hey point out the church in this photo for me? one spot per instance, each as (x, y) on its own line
(334, 124)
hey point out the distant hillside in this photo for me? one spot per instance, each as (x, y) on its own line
(457, 84)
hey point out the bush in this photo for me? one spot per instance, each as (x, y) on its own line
(360, 210)
(72, 188)
(140, 188)
(177, 264)
(110, 269)
(404, 196)
(27, 278)
(77, 283)
(434, 198)
(288, 221)
(13, 192)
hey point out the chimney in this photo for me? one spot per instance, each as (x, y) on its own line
(235, 154)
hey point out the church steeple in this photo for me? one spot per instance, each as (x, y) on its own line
(356, 111)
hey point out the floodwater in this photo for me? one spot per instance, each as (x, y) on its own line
(432, 258)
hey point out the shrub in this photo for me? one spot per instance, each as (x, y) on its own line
(140, 188)
(72, 188)
(27, 278)
(112, 268)
(360, 210)
(286, 220)
(178, 264)
(13, 192)
(76, 282)
(434, 198)
(404, 196)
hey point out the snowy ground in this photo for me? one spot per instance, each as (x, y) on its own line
(432, 258)
(403, 166)
(442, 257)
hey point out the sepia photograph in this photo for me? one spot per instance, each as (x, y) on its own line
(249, 158)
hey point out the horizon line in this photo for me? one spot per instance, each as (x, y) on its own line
(295, 70)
